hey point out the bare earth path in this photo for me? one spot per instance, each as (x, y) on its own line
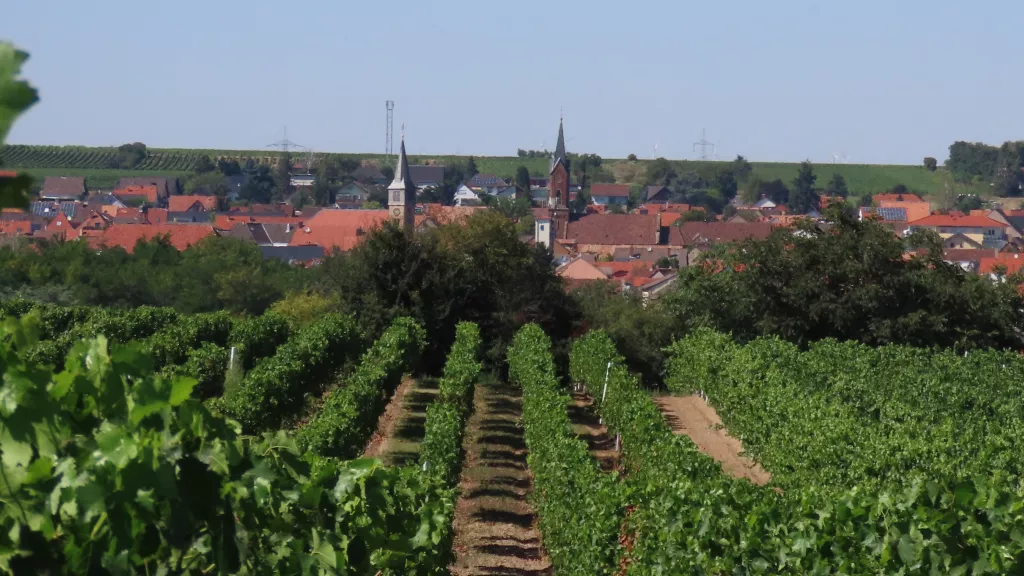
(692, 416)
(588, 427)
(495, 527)
(389, 420)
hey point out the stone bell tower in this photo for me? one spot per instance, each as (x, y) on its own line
(402, 193)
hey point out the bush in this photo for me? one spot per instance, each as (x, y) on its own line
(349, 414)
(276, 387)
(207, 364)
(258, 337)
(172, 344)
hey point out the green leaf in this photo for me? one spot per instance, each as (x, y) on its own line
(16, 95)
(181, 389)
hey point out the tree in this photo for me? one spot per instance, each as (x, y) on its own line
(523, 181)
(837, 186)
(471, 169)
(804, 198)
(208, 183)
(128, 156)
(729, 211)
(283, 177)
(726, 185)
(776, 191)
(807, 287)
(388, 172)
(16, 97)
(1007, 177)
(229, 167)
(260, 185)
(660, 173)
(930, 163)
(204, 165)
(751, 191)
(741, 169)
(968, 202)
(631, 158)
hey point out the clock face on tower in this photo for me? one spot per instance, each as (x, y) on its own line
(397, 211)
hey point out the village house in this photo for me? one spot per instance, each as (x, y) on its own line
(424, 177)
(186, 203)
(604, 233)
(657, 194)
(965, 231)
(692, 239)
(609, 194)
(165, 186)
(487, 184)
(66, 188)
(139, 194)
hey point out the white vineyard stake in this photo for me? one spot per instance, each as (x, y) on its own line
(607, 371)
(231, 360)
(424, 465)
(618, 442)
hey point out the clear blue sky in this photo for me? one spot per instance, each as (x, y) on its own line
(885, 81)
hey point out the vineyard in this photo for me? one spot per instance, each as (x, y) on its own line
(215, 443)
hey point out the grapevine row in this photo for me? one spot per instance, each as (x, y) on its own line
(580, 507)
(690, 518)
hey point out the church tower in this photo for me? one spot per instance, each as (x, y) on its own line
(402, 193)
(558, 187)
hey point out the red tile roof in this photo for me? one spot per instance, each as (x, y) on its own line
(156, 215)
(150, 193)
(966, 255)
(338, 229)
(668, 218)
(696, 233)
(8, 173)
(615, 190)
(126, 235)
(915, 210)
(225, 221)
(948, 220)
(615, 229)
(185, 203)
(1012, 262)
(15, 227)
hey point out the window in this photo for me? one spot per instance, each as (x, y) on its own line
(541, 227)
(396, 196)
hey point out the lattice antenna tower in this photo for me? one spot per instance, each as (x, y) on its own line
(389, 142)
(704, 145)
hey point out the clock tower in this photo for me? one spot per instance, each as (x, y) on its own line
(402, 193)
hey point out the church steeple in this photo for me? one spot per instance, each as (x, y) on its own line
(402, 192)
(560, 156)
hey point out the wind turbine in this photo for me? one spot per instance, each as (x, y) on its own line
(654, 155)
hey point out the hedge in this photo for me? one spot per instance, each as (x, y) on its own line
(258, 337)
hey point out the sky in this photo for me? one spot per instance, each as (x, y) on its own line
(876, 81)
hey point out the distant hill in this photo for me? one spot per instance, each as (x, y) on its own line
(95, 164)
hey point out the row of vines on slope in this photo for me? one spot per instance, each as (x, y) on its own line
(110, 467)
(580, 507)
(446, 417)
(842, 413)
(690, 518)
(349, 413)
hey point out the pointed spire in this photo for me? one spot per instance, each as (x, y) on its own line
(559, 155)
(402, 179)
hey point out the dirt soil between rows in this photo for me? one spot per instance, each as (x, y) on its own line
(692, 416)
(387, 422)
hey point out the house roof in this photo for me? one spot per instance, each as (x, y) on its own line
(186, 202)
(224, 221)
(614, 190)
(696, 233)
(965, 221)
(149, 192)
(486, 180)
(127, 235)
(966, 255)
(915, 210)
(896, 198)
(890, 214)
(293, 253)
(338, 229)
(442, 214)
(620, 229)
(652, 191)
(279, 209)
(1012, 262)
(426, 175)
(163, 184)
(262, 234)
(580, 269)
(50, 209)
(559, 156)
(63, 186)
(669, 218)
(368, 172)
(643, 254)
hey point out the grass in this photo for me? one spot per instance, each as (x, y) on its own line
(860, 178)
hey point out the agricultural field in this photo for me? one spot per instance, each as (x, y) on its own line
(94, 163)
(194, 442)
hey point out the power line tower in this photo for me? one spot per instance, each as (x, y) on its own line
(704, 145)
(389, 145)
(285, 145)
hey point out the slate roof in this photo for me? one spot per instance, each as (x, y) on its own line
(262, 234)
(49, 209)
(368, 173)
(617, 229)
(293, 253)
(63, 186)
(697, 233)
(426, 175)
(486, 180)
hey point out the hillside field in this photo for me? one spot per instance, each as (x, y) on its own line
(93, 163)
